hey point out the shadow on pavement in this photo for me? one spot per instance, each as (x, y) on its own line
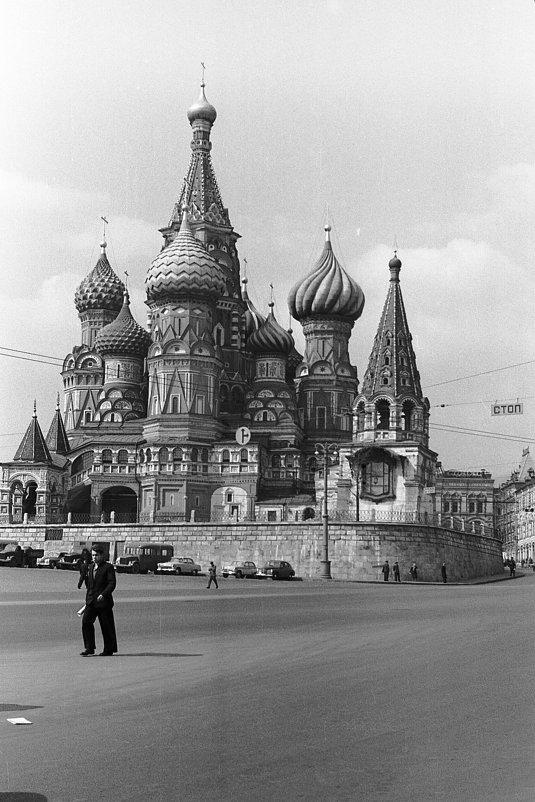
(7, 708)
(22, 796)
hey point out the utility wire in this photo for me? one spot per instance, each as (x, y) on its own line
(29, 359)
(483, 373)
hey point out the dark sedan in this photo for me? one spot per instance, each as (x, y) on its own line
(276, 569)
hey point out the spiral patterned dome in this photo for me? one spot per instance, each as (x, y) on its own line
(101, 289)
(202, 110)
(271, 338)
(123, 335)
(327, 290)
(252, 317)
(184, 267)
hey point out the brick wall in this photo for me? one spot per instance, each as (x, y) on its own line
(356, 551)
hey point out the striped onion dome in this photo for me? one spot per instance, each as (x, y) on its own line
(252, 317)
(184, 268)
(123, 335)
(271, 338)
(202, 110)
(101, 289)
(327, 290)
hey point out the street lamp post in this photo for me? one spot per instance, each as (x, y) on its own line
(325, 450)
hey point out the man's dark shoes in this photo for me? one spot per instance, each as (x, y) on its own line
(105, 654)
(87, 653)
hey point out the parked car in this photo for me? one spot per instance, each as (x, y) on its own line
(241, 569)
(276, 569)
(179, 565)
(71, 561)
(12, 556)
(143, 558)
(50, 559)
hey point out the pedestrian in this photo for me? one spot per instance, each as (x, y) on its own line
(395, 568)
(413, 571)
(18, 557)
(100, 582)
(386, 570)
(212, 571)
(85, 562)
(443, 572)
(512, 567)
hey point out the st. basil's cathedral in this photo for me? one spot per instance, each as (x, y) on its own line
(211, 413)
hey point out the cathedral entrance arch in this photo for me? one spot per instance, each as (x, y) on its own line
(229, 503)
(120, 500)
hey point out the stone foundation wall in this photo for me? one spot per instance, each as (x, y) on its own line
(356, 551)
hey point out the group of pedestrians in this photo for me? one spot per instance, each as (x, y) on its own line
(413, 571)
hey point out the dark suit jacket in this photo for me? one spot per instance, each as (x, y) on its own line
(103, 584)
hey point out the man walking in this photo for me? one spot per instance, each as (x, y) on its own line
(100, 582)
(386, 570)
(443, 572)
(212, 571)
(395, 568)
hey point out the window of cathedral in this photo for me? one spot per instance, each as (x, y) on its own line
(382, 408)
(82, 463)
(87, 416)
(163, 455)
(321, 417)
(199, 405)
(275, 461)
(407, 411)
(148, 454)
(237, 398)
(106, 456)
(376, 479)
(141, 455)
(178, 455)
(122, 456)
(175, 404)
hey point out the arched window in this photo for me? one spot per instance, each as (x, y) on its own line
(106, 456)
(383, 414)
(141, 455)
(149, 455)
(236, 398)
(407, 413)
(175, 405)
(204, 455)
(122, 456)
(178, 454)
(163, 455)
(312, 464)
(244, 455)
(225, 456)
(275, 461)
(194, 455)
(360, 416)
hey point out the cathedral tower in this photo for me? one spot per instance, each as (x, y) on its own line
(327, 303)
(391, 459)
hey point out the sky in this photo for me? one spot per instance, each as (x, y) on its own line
(408, 124)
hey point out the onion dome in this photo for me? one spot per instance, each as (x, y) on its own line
(395, 266)
(271, 338)
(202, 110)
(101, 289)
(252, 317)
(123, 335)
(327, 291)
(184, 267)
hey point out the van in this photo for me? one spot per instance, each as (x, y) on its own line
(138, 559)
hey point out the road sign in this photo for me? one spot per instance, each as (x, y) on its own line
(429, 490)
(507, 409)
(243, 435)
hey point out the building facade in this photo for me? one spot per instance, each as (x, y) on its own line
(211, 413)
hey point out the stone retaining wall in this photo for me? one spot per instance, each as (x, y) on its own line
(356, 550)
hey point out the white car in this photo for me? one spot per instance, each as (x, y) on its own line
(241, 569)
(179, 565)
(50, 560)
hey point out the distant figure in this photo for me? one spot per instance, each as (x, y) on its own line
(84, 567)
(18, 557)
(443, 572)
(212, 571)
(395, 568)
(413, 571)
(512, 567)
(28, 557)
(385, 570)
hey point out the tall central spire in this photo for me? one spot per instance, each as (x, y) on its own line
(200, 192)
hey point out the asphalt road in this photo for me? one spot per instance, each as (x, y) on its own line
(268, 691)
